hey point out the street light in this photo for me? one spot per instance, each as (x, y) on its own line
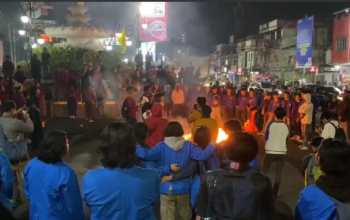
(128, 43)
(118, 35)
(22, 32)
(25, 19)
(126, 60)
(108, 47)
(144, 25)
(337, 67)
(40, 41)
(34, 46)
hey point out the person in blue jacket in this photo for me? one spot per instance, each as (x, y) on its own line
(318, 201)
(229, 103)
(120, 190)
(175, 196)
(275, 103)
(141, 132)
(6, 186)
(288, 105)
(242, 105)
(51, 186)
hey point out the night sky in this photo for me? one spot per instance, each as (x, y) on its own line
(205, 23)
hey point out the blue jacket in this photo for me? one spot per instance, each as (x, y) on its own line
(175, 150)
(296, 106)
(253, 101)
(119, 193)
(6, 182)
(229, 101)
(288, 105)
(242, 102)
(52, 191)
(274, 105)
(314, 204)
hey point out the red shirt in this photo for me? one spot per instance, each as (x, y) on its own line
(131, 104)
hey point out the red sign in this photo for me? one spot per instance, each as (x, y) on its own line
(239, 70)
(155, 15)
(313, 69)
(46, 37)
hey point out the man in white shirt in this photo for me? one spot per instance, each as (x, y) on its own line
(330, 125)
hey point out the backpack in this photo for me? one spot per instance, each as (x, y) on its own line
(232, 195)
(339, 132)
(342, 211)
(125, 110)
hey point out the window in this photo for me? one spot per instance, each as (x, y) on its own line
(341, 44)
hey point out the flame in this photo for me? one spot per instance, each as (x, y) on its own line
(222, 136)
(187, 137)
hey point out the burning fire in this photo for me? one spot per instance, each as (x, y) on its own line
(187, 137)
(222, 136)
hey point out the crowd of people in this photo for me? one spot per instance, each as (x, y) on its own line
(147, 160)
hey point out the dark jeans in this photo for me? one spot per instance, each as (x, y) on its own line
(72, 106)
(296, 126)
(242, 115)
(45, 71)
(279, 160)
(89, 111)
(131, 121)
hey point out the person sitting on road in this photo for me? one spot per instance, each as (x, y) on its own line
(197, 111)
(51, 186)
(330, 126)
(6, 183)
(329, 197)
(276, 136)
(311, 171)
(234, 181)
(13, 136)
(175, 199)
(120, 182)
(206, 120)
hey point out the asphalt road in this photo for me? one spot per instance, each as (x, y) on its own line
(83, 157)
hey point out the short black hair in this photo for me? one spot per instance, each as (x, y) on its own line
(206, 111)
(117, 146)
(201, 100)
(251, 90)
(53, 147)
(202, 136)
(326, 115)
(280, 113)
(243, 89)
(287, 93)
(130, 89)
(146, 88)
(316, 141)
(8, 106)
(275, 93)
(233, 125)
(334, 157)
(140, 132)
(241, 147)
(173, 129)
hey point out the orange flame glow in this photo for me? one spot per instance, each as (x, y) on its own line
(222, 136)
(187, 137)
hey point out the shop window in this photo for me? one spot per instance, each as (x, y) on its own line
(341, 44)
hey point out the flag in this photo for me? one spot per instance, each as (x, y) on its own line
(122, 40)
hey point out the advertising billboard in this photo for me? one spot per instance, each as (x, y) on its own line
(305, 29)
(155, 15)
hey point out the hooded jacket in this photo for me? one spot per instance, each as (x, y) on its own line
(52, 191)
(175, 150)
(117, 193)
(314, 201)
(156, 125)
(306, 109)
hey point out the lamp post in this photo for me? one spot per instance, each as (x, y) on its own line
(32, 30)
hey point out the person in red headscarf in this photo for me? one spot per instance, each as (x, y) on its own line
(155, 123)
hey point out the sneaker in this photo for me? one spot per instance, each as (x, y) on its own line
(304, 148)
(91, 120)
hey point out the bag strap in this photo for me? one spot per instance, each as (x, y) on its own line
(336, 127)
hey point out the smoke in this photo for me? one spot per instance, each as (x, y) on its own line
(185, 125)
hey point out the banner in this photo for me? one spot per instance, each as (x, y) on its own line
(155, 15)
(305, 31)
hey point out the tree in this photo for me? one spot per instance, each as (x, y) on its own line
(74, 57)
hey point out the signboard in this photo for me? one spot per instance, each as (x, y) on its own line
(155, 15)
(305, 31)
(46, 37)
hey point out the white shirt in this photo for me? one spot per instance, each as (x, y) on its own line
(276, 136)
(329, 129)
